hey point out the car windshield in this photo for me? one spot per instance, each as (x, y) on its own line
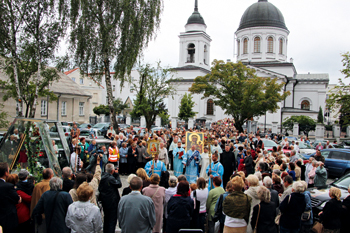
(84, 133)
(301, 157)
(303, 145)
(269, 143)
(99, 125)
(342, 182)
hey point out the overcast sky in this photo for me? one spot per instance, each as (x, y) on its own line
(319, 31)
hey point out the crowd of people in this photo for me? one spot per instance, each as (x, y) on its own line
(233, 185)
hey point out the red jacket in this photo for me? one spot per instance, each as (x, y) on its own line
(23, 211)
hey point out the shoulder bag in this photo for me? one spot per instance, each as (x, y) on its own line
(278, 217)
(218, 212)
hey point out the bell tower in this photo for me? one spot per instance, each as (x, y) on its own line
(195, 42)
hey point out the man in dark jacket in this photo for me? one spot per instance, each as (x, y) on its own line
(109, 196)
(8, 200)
(227, 160)
(54, 203)
(67, 176)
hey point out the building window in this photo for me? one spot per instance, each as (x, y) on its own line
(245, 46)
(257, 43)
(270, 44)
(205, 60)
(131, 90)
(44, 108)
(64, 108)
(210, 107)
(113, 87)
(191, 50)
(81, 108)
(305, 105)
(238, 47)
(81, 81)
(73, 79)
(281, 46)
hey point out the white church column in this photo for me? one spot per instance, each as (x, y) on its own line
(190, 123)
(128, 120)
(173, 123)
(143, 121)
(158, 121)
(319, 131)
(296, 129)
(274, 127)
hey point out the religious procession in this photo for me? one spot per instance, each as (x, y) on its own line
(185, 180)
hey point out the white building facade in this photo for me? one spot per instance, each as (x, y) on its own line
(262, 42)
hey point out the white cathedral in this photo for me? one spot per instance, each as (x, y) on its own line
(262, 42)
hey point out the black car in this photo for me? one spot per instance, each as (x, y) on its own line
(319, 197)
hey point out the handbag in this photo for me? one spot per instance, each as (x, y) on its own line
(317, 228)
(278, 217)
(306, 216)
(256, 224)
(218, 212)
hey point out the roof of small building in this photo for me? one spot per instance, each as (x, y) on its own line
(71, 71)
(64, 86)
(312, 77)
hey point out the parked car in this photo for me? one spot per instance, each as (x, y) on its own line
(103, 127)
(84, 133)
(85, 125)
(157, 128)
(343, 144)
(337, 161)
(290, 138)
(100, 142)
(306, 148)
(319, 197)
(69, 123)
(123, 126)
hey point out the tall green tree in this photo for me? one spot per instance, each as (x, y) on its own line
(239, 92)
(111, 34)
(27, 75)
(3, 117)
(339, 99)
(11, 27)
(152, 88)
(306, 123)
(45, 24)
(186, 107)
(320, 116)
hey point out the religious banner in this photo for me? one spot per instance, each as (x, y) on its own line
(194, 138)
(153, 147)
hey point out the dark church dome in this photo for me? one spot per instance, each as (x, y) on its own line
(260, 14)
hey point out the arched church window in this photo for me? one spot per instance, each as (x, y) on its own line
(305, 105)
(210, 107)
(270, 44)
(238, 47)
(205, 60)
(257, 43)
(191, 52)
(281, 46)
(245, 46)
